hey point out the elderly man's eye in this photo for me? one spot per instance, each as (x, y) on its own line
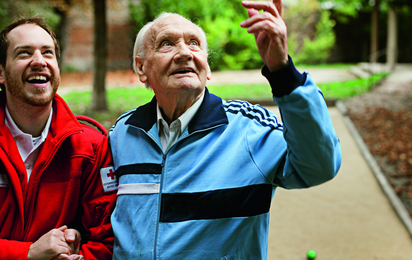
(166, 43)
(194, 43)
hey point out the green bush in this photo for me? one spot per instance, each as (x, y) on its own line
(230, 46)
(310, 32)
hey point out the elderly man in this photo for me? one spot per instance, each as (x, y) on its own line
(55, 197)
(197, 174)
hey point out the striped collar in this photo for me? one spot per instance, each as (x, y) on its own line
(211, 113)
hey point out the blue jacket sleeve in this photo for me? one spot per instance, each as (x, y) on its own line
(313, 152)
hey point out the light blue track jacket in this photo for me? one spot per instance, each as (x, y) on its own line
(208, 196)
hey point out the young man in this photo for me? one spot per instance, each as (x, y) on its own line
(197, 174)
(56, 190)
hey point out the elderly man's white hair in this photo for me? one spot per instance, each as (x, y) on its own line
(140, 49)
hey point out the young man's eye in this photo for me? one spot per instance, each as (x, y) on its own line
(23, 53)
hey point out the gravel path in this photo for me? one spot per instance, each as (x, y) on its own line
(383, 117)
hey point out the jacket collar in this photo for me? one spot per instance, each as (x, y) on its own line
(211, 113)
(62, 124)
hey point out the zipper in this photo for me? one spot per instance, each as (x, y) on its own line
(159, 208)
(182, 137)
(32, 196)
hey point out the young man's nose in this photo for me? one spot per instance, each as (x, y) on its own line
(38, 60)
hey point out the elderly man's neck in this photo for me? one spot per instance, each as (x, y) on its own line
(173, 105)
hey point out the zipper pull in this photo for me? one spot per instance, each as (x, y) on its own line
(98, 211)
(163, 160)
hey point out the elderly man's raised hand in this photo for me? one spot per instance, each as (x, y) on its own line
(269, 30)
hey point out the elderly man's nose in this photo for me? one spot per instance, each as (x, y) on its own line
(183, 53)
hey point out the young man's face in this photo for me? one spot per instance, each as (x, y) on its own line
(176, 59)
(32, 73)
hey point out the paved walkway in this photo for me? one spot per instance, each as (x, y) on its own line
(255, 76)
(349, 217)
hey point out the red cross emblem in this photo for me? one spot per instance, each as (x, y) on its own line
(111, 174)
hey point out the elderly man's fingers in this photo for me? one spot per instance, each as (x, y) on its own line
(71, 235)
(68, 257)
(62, 228)
(264, 21)
(255, 17)
(73, 239)
(264, 6)
(279, 6)
(50, 244)
(270, 27)
(252, 12)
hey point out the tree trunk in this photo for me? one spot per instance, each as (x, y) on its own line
(99, 102)
(374, 33)
(62, 35)
(392, 43)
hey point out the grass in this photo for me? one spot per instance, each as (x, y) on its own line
(327, 66)
(124, 99)
(350, 88)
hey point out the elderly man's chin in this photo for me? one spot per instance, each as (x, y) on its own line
(189, 84)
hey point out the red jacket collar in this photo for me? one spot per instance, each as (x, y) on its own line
(63, 122)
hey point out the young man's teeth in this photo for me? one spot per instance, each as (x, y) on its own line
(43, 78)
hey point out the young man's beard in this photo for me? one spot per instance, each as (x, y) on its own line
(16, 89)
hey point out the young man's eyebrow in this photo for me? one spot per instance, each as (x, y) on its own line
(25, 47)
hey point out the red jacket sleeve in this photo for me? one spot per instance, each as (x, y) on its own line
(14, 250)
(98, 200)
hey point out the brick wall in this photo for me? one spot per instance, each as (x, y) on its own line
(79, 50)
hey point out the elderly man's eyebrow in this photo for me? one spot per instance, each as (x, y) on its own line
(166, 36)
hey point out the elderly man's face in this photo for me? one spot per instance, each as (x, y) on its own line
(176, 59)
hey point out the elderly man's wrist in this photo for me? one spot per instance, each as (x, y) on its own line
(283, 81)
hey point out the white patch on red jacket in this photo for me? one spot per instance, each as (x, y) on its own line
(4, 181)
(109, 180)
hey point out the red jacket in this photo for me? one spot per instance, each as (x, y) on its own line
(65, 187)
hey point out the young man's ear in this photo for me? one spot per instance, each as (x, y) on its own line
(140, 69)
(2, 75)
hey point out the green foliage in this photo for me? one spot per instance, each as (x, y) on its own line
(310, 32)
(12, 9)
(311, 35)
(347, 9)
(230, 46)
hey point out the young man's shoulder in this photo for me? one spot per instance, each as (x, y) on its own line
(91, 125)
(93, 134)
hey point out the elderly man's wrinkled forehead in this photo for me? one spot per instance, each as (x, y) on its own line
(171, 24)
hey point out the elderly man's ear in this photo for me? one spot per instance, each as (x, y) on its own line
(140, 70)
